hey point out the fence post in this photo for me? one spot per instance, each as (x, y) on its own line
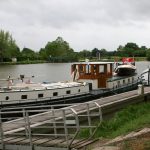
(77, 125)
(100, 111)
(65, 126)
(1, 131)
(29, 128)
(25, 120)
(54, 123)
(89, 118)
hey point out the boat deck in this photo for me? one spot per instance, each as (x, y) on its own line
(40, 86)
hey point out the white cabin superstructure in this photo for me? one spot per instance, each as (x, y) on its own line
(31, 91)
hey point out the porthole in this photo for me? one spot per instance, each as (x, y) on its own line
(7, 98)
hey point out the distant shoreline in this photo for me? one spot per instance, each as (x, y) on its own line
(43, 61)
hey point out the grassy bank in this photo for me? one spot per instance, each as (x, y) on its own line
(125, 121)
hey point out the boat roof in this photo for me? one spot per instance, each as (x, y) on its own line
(41, 86)
(98, 63)
(127, 66)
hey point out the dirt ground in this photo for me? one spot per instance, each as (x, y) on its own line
(133, 141)
(139, 143)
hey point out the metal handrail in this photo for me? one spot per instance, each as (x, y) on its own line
(54, 123)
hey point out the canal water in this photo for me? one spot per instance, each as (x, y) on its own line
(52, 72)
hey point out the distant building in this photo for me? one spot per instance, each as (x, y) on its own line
(14, 59)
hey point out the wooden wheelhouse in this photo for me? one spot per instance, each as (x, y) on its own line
(95, 73)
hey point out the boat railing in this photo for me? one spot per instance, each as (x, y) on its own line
(115, 90)
(126, 86)
(65, 123)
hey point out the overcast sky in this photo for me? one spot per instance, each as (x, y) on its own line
(84, 24)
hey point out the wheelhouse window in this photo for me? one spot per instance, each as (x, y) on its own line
(101, 68)
(68, 92)
(108, 68)
(88, 69)
(81, 68)
(23, 96)
(40, 95)
(55, 94)
(94, 68)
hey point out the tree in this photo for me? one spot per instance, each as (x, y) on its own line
(131, 48)
(58, 50)
(84, 54)
(148, 54)
(131, 45)
(42, 54)
(120, 48)
(95, 51)
(8, 47)
(103, 52)
(28, 54)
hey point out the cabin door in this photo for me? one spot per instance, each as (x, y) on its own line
(90, 86)
(102, 83)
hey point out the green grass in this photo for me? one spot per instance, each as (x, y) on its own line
(129, 119)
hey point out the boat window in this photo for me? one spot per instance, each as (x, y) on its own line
(94, 68)
(132, 79)
(40, 95)
(79, 90)
(68, 92)
(124, 82)
(129, 80)
(73, 67)
(101, 68)
(7, 98)
(24, 97)
(55, 94)
(118, 83)
(108, 67)
(80, 68)
(88, 68)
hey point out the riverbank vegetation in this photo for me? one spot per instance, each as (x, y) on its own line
(129, 119)
(59, 50)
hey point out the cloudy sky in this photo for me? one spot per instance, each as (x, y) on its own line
(84, 24)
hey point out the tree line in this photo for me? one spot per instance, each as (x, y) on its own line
(59, 50)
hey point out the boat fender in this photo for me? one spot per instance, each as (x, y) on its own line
(84, 83)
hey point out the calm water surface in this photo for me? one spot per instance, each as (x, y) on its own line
(42, 72)
(48, 71)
